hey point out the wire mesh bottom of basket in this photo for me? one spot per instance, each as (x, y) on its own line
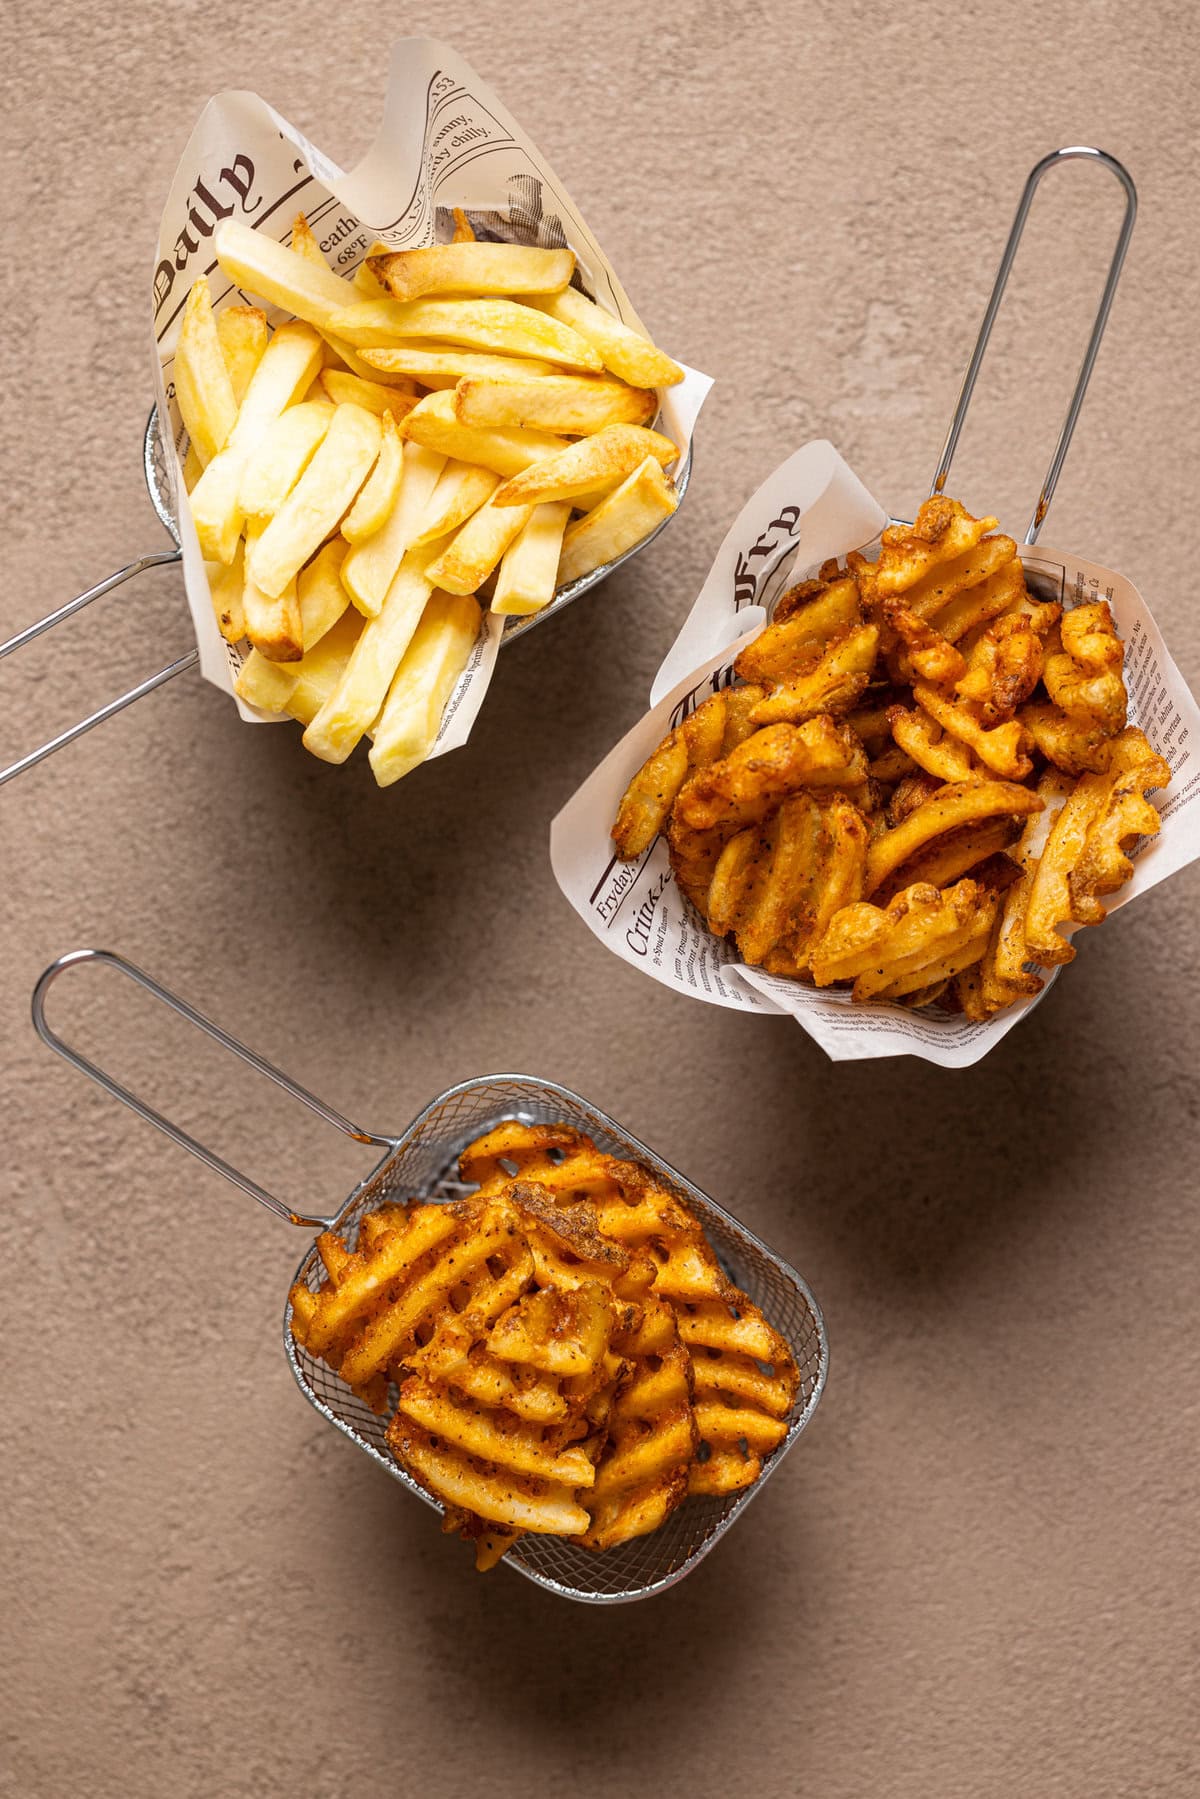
(424, 1166)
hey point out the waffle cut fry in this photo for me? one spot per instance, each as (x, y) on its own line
(902, 727)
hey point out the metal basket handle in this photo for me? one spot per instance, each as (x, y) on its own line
(155, 482)
(1074, 153)
(209, 1157)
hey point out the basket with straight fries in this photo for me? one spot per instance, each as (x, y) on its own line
(536, 1325)
(404, 414)
(927, 759)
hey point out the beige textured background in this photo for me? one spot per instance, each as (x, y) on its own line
(977, 1575)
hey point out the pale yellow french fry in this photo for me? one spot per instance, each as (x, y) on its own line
(354, 704)
(622, 350)
(619, 522)
(474, 551)
(305, 244)
(272, 621)
(193, 468)
(502, 325)
(281, 458)
(577, 404)
(319, 589)
(256, 263)
(441, 646)
(601, 460)
(242, 331)
(448, 363)
(319, 499)
(321, 668)
(462, 490)
(370, 566)
(225, 586)
(202, 386)
(526, 578)
(265, 684)
(432, 423)
(380, 491)
(364, 279)
(473, 268)
(344, 388)
(348, 361)
(464, 231)
(290, 361)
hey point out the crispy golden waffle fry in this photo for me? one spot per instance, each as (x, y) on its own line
(921, 937)
(913, 714)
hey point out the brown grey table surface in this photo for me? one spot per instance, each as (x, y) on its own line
(977, 1574)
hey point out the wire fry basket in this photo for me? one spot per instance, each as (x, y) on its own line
(421, 1162)
(156, 452)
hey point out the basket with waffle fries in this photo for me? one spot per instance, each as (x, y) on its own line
(560, 1352)
(891, 806)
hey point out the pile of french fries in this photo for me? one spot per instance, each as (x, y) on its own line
(923, 783)
(561, 1353)
(456, 424)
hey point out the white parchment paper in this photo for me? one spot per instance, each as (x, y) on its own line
(445, 141)
(812, 507)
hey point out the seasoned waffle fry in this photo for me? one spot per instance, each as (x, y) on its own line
(831, 683)
(998, 803)
(716, 727)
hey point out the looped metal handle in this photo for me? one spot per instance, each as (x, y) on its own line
(209, 1157)
(152, 454)
(1074, 153)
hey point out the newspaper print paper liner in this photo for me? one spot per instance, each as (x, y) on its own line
(813, 507)
(445, 141)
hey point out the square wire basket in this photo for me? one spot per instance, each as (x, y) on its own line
(424, 1166)
(422, 1163)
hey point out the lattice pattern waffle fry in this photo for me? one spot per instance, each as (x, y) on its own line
(931, 665)
(743, 1376)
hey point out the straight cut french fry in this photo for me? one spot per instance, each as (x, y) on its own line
(272, 620)
(379, 493)
(267, 685)
(290, 361)
(599, 461)
(256, 263)
(368, 569)
(319, 589)
(354, 704)
(473, 269)
(628, 515)
(284, 453)
(474, 552)
(321, 668)
(502, 325)
(203, 386)
(343, 388)
(622, 350)
(242, 331)
(225, 585)
(407, 727)
(529, 572)
(318, 500)
(436, 364)
(462, 489)
(578, 404)
(432, 422)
